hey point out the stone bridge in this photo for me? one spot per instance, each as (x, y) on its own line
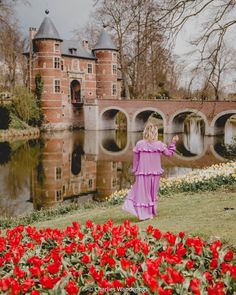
(101, 114)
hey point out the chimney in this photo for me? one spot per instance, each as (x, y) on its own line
(85, 44)
(32, 33)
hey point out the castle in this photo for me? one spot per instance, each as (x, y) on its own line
(72, 73)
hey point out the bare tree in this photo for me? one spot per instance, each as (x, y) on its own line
(143, 60)
(215, 21)
(212, 75)
(11, 44)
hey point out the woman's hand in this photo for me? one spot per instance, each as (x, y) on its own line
(175, 138)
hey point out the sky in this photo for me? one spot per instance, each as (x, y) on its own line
(66, 15)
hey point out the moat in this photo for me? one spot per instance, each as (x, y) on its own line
(80, 165)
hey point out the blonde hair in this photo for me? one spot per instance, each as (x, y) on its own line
(150, 131)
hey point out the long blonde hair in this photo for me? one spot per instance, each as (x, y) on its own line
(150, 131)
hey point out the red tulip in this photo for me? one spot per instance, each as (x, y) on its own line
(71, 288)
(229, 256)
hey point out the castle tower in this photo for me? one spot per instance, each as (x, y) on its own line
(47, 63)
(106, 67)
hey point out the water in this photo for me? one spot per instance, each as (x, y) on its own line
(81, 165)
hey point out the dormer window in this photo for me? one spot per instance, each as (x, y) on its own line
(56, 47)
(73, 51)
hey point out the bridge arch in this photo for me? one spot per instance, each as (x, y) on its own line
(141, 116)
(108, 116)
(218, 123)
(176, 121)
(106, 143)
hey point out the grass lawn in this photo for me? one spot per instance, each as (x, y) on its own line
(195, 213)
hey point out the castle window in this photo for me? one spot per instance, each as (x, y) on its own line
(114, 183)
(73, 51)
(114, 69)
(90, 183)
(57, 86)
(56, 47)
(58, 195)
(56, 62)
(90, 68)
(114, 56)
(58, 172)
(62, 65)
(113, 89)
(75, 64)
(114, 165)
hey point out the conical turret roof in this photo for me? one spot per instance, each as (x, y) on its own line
(105, 42)
(47, 30)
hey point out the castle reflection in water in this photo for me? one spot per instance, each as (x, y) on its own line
(82, 165)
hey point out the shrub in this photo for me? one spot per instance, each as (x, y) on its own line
(38, 94)
(25, 107)
(4, 117)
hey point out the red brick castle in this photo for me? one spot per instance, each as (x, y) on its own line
(72, 73)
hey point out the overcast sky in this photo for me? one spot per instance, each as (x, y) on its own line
(66, 15)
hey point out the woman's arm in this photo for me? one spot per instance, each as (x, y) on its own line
(170, 149)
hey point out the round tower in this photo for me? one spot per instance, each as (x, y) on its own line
(47, 63)
(106, 67)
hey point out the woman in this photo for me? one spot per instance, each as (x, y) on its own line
(142, 198)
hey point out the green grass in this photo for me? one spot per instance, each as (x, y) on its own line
(195, 213)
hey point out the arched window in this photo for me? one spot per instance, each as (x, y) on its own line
(75, 89)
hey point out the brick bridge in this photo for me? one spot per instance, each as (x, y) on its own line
(100, 114)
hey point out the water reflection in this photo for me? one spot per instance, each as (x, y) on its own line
(114, 140)
(66, 166)
(193, 137)
(5, 153)
(76, 160)
(230, 135)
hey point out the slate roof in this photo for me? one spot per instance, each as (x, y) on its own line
(47, 30)
(80, 51)
(105, 42)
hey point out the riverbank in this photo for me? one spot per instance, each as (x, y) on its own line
(209, 214)
(19, 134)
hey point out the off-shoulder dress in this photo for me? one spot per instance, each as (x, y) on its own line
(141, 200)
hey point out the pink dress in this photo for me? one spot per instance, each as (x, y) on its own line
(141, 200)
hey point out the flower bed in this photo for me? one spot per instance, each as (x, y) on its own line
(209, 178)
(95, 259)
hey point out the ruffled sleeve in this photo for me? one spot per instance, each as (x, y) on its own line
(170, 149)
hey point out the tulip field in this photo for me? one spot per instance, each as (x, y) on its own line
(112, 259)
